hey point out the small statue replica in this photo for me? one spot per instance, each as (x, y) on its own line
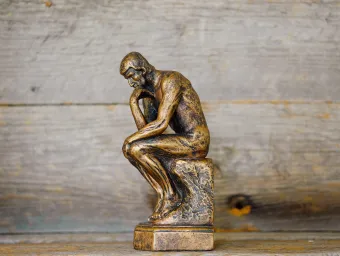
(173, 164)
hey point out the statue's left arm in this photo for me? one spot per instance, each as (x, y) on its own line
(167, 107)
(150, 109)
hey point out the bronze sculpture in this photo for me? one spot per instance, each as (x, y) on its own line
(173, 164)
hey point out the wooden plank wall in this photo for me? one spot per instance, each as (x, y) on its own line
(268, 73)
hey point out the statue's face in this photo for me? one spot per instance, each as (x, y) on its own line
(135, 78)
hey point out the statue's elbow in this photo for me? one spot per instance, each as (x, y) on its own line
(161, 126)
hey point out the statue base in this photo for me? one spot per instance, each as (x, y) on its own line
(148, 237)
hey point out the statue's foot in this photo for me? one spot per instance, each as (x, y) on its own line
(155, 216)
(159, 204)
(156, 213)
(169, 205)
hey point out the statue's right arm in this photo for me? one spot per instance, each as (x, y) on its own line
(140, 119)
(137, 115)
(166, 110)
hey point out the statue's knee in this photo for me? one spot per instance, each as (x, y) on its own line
(126, 150)
(136, 150)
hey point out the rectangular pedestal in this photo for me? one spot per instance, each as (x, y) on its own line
(173, 238)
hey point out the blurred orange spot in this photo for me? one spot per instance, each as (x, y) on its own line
(240, 212)
(111, 107)
(324, 116)
(48, 3)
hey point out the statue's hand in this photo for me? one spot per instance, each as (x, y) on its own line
(134, 106)
(138, 94)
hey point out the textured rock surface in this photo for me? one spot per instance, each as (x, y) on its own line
(196, 177)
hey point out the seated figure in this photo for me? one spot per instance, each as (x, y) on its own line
(168, 100)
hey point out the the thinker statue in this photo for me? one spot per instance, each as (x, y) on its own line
(173, 164)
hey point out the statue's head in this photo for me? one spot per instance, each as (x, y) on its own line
(134, 67)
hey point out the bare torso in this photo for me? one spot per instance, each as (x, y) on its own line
(188, 117)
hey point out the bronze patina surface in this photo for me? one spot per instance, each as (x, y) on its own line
(173, 238)
(173, 164)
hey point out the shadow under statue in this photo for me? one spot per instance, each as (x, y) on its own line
(173, 164)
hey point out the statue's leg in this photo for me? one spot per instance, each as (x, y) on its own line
(148, 153)
(151, 181)
(154, 185)
(149, 161)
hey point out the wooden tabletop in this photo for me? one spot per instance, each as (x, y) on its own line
(121, 244)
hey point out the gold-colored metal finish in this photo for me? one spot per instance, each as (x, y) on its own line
(197, 206)
(173, 238)
(173, 164)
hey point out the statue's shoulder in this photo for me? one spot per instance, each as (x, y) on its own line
(173, 77)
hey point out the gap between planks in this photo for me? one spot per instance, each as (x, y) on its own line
(236, 102)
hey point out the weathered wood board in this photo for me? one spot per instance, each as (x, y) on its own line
(277, 163)
(51, 238)
(239, 49)
(277, 167)
(238, 244)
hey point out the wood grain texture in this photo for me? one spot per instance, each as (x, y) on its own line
(226, 244)
(276, 168)
(239, 49)
(50, 238)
